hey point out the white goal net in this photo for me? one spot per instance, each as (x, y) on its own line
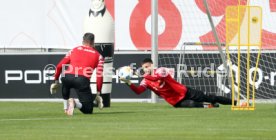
(198, 62)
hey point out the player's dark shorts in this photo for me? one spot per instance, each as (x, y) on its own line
(196, 95)
(81, 85)
(195, 98)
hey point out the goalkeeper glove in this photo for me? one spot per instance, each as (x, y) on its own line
(126, 81)
(99, 100)
(54, 87)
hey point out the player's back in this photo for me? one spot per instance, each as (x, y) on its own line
(83, 60)
(166, 87)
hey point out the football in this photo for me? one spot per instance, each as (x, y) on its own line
(126, 72)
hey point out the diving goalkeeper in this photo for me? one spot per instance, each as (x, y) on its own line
(176, 94)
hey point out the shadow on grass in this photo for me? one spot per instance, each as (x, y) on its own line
(119, 112)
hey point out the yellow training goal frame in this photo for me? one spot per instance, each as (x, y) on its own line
(243, 37)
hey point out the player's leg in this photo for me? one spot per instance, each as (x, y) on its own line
(86, 98)
(199, 96)
(189, 104)
(66, 86)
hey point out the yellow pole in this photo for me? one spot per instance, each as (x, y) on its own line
(229, 58)
(239, 57)
(248, 57)
(258, 58)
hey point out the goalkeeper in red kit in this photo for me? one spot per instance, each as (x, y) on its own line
(78, 66)
(176, 94)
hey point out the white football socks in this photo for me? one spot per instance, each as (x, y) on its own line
(65, 104)
(78, 104)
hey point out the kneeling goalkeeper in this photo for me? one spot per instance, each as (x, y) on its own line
(176, 94)
(81, 62)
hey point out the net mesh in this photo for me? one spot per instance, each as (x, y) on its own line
(199, 65)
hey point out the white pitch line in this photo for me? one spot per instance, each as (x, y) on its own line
(49, 135)
(248, 129)
(34, 119)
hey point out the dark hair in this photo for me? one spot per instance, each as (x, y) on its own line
(147, 60)
(88, 38)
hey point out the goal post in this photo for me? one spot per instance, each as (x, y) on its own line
(200, 63)
(154, 34)
(199, 68)
(154, 40)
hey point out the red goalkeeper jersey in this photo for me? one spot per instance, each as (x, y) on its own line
(82, 61)
(163, 85)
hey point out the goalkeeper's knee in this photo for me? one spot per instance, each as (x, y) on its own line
(87, 108)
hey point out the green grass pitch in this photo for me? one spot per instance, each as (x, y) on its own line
(135, 121)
